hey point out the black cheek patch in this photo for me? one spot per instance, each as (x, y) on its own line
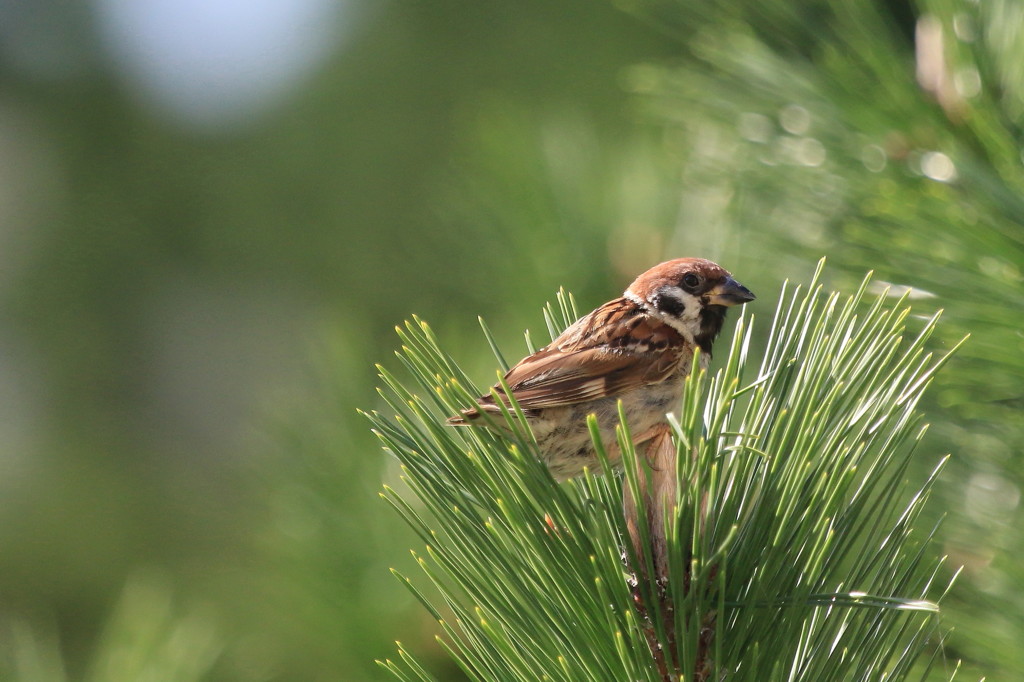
(668, 304)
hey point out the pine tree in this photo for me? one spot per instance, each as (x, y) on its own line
(794, 551)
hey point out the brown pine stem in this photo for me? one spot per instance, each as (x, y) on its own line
(658, 486)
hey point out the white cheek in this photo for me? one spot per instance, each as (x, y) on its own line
(687, 324)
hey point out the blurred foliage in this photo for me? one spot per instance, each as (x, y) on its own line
(162, 289)
(147, 638)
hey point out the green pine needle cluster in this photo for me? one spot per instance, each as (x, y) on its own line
(793, 545)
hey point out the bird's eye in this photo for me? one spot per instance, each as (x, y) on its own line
(691, 280)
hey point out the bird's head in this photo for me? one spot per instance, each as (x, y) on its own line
(691, 295)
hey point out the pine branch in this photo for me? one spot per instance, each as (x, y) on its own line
(792, 549)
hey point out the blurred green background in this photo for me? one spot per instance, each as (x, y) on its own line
(213, 213)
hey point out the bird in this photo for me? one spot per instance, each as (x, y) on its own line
(637, 348)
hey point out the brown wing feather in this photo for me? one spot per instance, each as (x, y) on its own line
(612, 350)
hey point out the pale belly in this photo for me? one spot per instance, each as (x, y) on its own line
(564, 439)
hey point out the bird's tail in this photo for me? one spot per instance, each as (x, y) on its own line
(465, 418)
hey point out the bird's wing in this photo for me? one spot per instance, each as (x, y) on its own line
(614, 349)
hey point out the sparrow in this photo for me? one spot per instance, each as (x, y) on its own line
(638, 348)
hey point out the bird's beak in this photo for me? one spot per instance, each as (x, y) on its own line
(730, 292)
